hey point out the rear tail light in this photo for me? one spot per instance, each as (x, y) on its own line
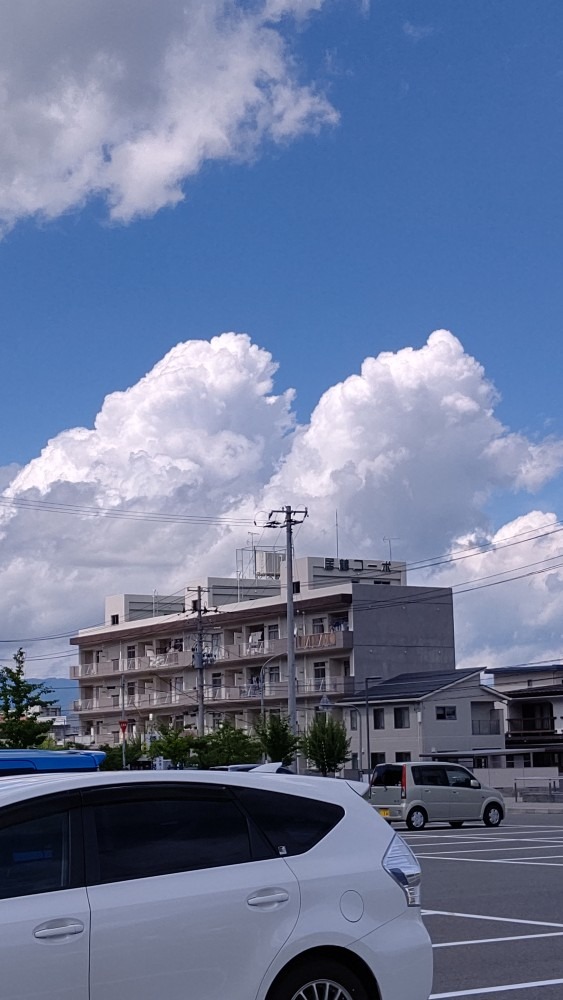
(404, 782)
(400, 863)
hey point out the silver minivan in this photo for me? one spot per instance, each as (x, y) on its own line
(424, 792)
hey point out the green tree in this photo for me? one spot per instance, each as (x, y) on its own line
(114, 755)
(175, 745)
(19, 703)
(276, 739)
(325, 743)
(227, 745)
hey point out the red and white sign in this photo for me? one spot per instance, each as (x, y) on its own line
(123, 725)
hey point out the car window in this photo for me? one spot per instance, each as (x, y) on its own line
(426, 775)
(387, 775)
(291, 823)
(35, 855)
(458, 778)
(146, 831)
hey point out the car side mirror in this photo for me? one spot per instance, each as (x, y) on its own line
(474, 783)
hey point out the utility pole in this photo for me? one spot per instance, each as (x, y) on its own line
(198, 662)
(291, 517)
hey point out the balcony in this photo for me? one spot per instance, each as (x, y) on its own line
(485, 727)
(544, 726)
(323, 641)
(147, 664)
(214, 695)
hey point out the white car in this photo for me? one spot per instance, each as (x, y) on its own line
(202, 885)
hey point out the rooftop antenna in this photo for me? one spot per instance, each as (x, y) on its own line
(336, 528)
(394, 538)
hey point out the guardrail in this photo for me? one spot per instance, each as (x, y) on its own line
(538, 790)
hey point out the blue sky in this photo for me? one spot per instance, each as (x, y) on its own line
(419, 190)
(435, 202)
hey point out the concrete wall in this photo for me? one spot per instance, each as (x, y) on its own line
(400, 629)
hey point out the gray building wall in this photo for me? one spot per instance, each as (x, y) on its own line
(401, 629)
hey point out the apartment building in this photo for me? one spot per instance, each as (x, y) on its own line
(353, 619)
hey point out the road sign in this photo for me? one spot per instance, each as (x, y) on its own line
(123, 725)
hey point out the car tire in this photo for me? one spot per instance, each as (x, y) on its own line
(417, 819)
(456, 823)
(319, 978)
(493, 815)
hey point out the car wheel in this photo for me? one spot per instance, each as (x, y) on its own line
(416, 819)
(324, 978)
(456, 823)
(493, 815)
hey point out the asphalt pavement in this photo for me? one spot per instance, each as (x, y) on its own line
(493, 905)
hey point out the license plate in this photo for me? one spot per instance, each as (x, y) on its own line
(384, 812)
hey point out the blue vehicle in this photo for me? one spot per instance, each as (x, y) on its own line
(48, 761)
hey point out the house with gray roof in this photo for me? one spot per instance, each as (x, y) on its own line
(415, 715)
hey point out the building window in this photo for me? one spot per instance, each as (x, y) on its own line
(216, 685)
(379, 718)
(353, 720)
(376, 758)
(354, 762)
(447, 712)
(178, 645)
(401, 757)
(274, 675)
(401, 718)
(273, 631)
(115, 619)
(320, 676)
(131, 652)
(318, 626)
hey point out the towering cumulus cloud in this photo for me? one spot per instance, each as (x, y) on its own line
(410, 449)
(127, 100)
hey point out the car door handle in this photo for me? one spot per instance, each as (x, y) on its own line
(58, 928)
(268, 897)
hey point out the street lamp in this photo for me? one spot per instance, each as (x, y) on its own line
(361, 747)
(261, 682)
(374, 677)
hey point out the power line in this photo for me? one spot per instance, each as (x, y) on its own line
(84, 510)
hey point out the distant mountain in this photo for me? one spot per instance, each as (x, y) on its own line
(64, 690)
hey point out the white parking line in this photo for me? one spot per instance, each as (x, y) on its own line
(483, 990)
(493, 861)
(496, 940)
(484, 916)
(498, 850)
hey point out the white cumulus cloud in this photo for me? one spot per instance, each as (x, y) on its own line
(408, 449)
(125, 101)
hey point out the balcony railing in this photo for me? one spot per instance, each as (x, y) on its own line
(215, 695)
(546, 725)
(485, 727)
(178, 659)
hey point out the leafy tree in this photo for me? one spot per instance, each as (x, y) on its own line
(325, 743)
(227, 745)
(175, 745)
(19, 702)
(276, 739)
(114, 755)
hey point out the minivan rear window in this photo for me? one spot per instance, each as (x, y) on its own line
(387, 775)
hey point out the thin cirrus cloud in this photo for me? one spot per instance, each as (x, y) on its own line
(127, 101)
(409, 448)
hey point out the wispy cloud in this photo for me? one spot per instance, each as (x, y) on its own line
(417, 32)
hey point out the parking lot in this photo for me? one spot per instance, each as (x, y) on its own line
(493, 905)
